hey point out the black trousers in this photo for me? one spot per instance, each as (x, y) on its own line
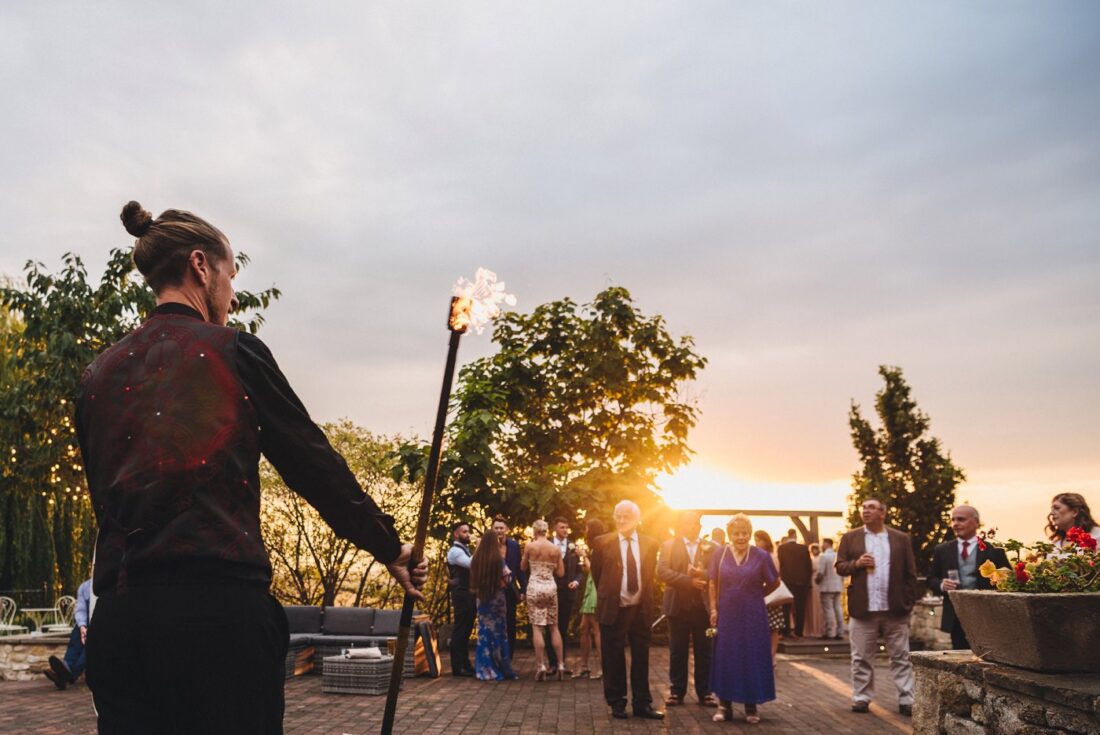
(565, 611)
(689, 630)
(192, 658)
(630, 627)
(801, 594)
(958, 637)
(511, 598)
(465, 606)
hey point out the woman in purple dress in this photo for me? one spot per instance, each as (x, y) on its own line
(740, 577)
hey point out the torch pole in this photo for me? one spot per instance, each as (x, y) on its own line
(430, 477)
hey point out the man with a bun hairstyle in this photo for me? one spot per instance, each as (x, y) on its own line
(171, 422)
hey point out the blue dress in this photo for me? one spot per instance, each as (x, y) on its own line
(741, 670)
(493, 660)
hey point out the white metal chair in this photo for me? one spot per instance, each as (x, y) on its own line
(7, 614)
(63, 617)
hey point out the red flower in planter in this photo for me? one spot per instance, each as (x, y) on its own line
(1081, 538)
(1021, 573)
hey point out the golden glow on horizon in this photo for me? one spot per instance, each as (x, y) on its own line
(700, 486)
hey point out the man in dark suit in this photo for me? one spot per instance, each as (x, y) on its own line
(963, 555)
(568, 583)
(682, 567)
(623, 568)
(796, 569)
(883, 569)
(513, 593)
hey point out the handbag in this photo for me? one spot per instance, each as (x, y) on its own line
(781, 595)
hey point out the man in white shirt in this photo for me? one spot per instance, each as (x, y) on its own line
(623, 568)
(463, 601)
(567, 588)
(883, 569)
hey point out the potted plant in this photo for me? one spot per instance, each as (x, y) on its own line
(1044, 614)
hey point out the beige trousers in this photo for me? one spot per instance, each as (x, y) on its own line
(864, 634)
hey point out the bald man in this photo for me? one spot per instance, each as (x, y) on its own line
(963, 555)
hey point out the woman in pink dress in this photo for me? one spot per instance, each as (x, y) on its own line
(814, 626)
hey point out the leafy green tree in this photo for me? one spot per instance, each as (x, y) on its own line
(580, 407)
(903, 466)
(55, 326)
(311, 564)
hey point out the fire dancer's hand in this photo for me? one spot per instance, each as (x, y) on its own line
(412, 581)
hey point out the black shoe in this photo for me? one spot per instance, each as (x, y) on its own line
(648, 713)
(861, 707)
(57, 680)
(906, 709)
(463, 672)
(619, 712)
(61, 669)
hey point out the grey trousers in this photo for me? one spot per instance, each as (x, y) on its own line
(864, 634)
(833, 613)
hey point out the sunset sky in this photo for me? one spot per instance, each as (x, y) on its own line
(810, 190)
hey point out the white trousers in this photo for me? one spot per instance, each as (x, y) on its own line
(864, 634)
(833, 613)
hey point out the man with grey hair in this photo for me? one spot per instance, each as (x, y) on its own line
(955, 567)
(624, 564)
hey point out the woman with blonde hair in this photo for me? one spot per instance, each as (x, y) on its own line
(542, 560)
(740, 577)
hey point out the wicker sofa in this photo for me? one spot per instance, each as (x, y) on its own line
(319, 632)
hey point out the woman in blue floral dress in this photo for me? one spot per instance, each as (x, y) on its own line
(488, 578)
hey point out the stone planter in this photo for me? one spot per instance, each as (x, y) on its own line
(1041, 632)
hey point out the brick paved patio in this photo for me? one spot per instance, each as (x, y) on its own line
(813, 697)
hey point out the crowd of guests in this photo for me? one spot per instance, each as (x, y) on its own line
(728, 599)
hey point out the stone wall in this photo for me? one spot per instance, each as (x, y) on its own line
(957, 694)
(24, 658)
(924, 626)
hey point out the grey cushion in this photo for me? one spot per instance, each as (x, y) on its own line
(303, 618)
(301, 640)
(348, 621)
(352, 641)
(386, 622)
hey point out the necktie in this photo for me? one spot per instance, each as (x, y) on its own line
(631, 569)
(965, 553)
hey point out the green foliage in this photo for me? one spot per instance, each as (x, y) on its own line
(903, 466)
(311, 564)
(579, 408)
(52, 328)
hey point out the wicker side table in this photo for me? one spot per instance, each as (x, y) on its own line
(356, 675)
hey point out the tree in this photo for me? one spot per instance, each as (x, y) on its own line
(579, 408)
(311, 564)
(904, 467)
(55, 326)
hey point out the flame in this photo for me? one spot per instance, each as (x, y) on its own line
(479, 302)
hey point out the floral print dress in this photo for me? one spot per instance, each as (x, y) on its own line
(493, 659)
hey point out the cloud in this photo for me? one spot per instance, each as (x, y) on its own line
(809, 192)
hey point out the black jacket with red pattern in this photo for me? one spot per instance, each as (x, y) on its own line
(171, 422)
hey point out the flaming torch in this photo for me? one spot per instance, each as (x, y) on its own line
(473, 305)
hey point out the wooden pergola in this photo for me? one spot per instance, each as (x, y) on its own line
(809, 532)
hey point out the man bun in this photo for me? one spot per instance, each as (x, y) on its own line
(136, 219)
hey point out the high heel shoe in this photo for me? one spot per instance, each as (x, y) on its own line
(540, 675)
(560, 673)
